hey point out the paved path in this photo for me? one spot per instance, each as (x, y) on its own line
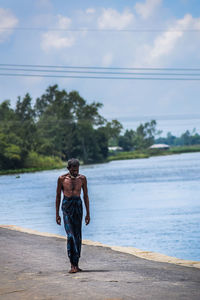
(36, 267)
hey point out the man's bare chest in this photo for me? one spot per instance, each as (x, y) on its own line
(70, 184)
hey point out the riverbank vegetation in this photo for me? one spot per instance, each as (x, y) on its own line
(60, 125)
(36, 162)
(146, 153)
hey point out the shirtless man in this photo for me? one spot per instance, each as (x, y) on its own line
(70, 184)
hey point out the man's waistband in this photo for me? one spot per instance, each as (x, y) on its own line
(72, 198)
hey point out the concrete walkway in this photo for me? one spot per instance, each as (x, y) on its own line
(36, 267)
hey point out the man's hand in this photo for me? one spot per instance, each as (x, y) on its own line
(58, 220)
(87, 219)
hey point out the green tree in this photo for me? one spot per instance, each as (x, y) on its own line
(10, 150)
(141, 138)
(113, 130)
(126, 141)
(144, 135)
(67, 125)
(25, 126)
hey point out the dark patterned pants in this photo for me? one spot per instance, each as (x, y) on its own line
(72, 217)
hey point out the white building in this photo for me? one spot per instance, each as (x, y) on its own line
(115, 148)
(160, 146)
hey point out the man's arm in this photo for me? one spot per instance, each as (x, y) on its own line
(58, 197)
(86, 201)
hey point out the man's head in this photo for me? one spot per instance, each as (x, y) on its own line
(73, 166)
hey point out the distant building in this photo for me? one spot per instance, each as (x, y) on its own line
(115, 148)
(160, 146)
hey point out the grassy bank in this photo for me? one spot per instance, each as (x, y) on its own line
(185, 149)
(128, 155)
(35, 162)
(28, 170)
(152, 152)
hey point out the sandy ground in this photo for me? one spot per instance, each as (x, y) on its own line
(35, 266)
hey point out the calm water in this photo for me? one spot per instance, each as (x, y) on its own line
(151, 204)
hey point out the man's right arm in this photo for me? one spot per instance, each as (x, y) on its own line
(58, 197)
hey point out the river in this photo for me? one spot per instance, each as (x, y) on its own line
(152, 204)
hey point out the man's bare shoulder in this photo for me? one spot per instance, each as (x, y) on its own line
(82, 177)
(62, 177)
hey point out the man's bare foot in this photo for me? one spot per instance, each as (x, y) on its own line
(73, 269)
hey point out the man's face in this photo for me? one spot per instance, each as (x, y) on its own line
(74, 171)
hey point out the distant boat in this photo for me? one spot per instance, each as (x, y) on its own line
(160, 146)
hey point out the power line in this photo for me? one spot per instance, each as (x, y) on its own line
(98, 30)
(99, 73)
(94, 72)
(100, 77)
(99, 68)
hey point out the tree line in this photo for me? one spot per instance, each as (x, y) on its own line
(63, 125)
(59, 124)
(146, 135)
(186, 139)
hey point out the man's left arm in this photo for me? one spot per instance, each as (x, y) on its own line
(86, 200)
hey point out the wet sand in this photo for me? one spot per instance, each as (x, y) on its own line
(35, 266)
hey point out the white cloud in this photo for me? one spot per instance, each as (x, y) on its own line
(176, 45)
(107, 59)
(58, 39)
(90, 11)
(63, 22)
(112, 19)
(167, 41)
(7, 20)
(147, 8)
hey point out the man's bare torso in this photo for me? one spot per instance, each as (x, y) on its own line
(72, 186)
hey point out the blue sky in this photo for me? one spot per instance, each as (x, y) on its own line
(167, 48)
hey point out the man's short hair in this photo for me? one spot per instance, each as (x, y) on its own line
(73, 162)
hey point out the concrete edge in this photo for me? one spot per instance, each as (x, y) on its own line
(149, 255)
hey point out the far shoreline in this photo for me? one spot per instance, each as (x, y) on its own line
(153, 152)
(118, 156)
